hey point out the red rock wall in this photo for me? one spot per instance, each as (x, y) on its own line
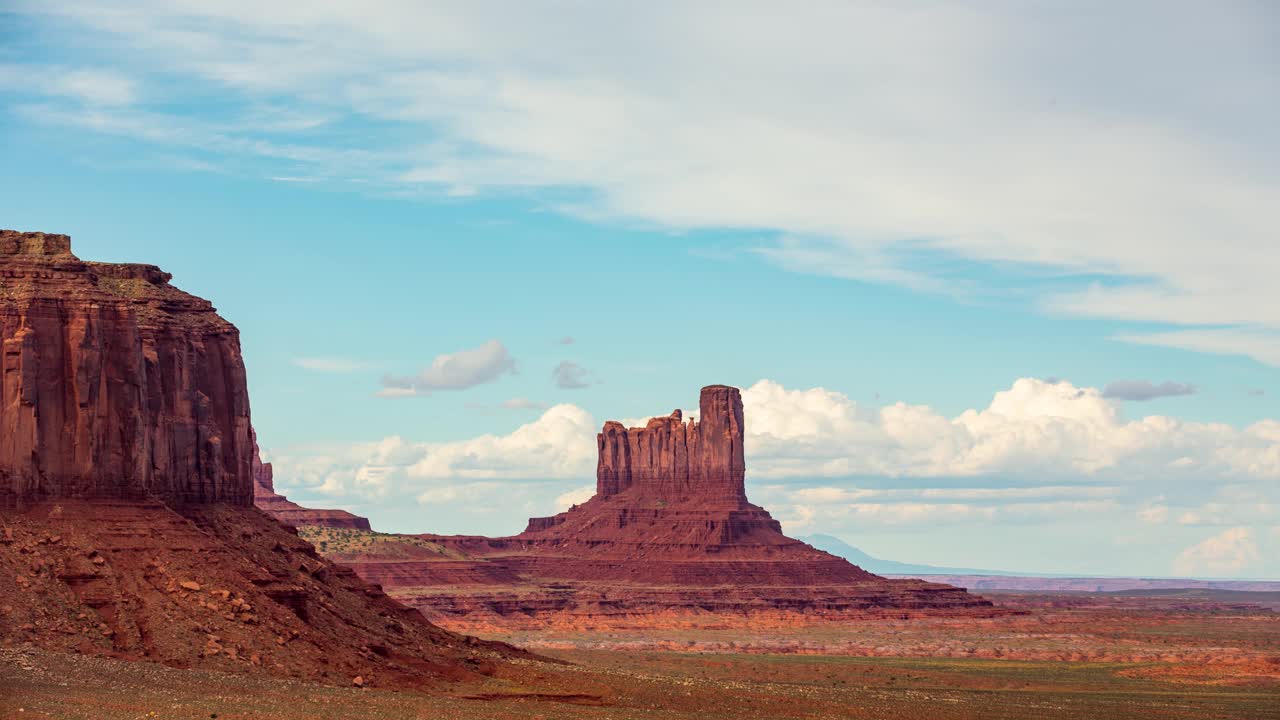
(115, 383)
(670, 458)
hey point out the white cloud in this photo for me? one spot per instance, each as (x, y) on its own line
(454, 371)
(93, 87)
(560, 444)
(330, 364)
(1035, 429)
(1017, 136)
(1154, 514)
(1230, 552)
(577, 496)
(1258, 343)
(866, 514)
(1040, 452)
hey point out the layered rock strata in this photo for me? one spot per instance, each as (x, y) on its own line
(669, 537)
(127, 464)
(115, 383)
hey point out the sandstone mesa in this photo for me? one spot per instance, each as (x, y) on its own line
(668, 538)
(127, 483)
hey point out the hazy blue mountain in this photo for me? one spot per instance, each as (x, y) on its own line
(836, 546)
(1260, 591)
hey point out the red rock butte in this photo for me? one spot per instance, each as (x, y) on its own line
(116, 384)
(669, 537)
(127, 463)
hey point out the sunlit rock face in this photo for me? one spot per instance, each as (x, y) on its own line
(115, 383)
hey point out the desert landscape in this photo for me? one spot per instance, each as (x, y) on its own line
(1137, 660)
(152, 570)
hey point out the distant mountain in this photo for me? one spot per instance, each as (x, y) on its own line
(981, 580)
(838, 547)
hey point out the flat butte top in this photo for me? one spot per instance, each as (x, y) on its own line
(38, 266)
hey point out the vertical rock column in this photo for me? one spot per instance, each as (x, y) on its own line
(670, 459)
(114, 383)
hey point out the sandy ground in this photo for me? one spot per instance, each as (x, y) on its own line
(1067, 658)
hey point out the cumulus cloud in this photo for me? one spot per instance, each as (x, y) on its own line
(570, 375)
(1039, 452)
(576, 496)
(560, 444)
(1033, 429)
(330, 364)
(453, 371)
(1230, 552)
(1143, 390)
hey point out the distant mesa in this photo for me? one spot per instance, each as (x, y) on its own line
(668, 537)
(291, 513)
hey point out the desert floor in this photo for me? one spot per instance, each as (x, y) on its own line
(1069, 656)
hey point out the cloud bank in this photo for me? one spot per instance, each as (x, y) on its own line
(1230, 552)
(1016, 138)
(1035, 428)
(1040, 454)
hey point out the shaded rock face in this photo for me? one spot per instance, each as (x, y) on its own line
(669, 458)
(669, 538)
(127, 476)
(115, 383)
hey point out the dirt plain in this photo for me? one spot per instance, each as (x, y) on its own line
(1066, 656)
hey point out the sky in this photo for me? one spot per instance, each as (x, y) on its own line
(997, 279)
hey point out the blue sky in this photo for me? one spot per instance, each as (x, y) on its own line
(1037, 204)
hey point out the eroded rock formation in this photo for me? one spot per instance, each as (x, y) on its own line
(115, 383)
(668, 537)
(671, 459)
(127, 464)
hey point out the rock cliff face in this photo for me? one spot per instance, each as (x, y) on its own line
(671, 459)
(669, 537)
(115, 383)
(127, 468)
